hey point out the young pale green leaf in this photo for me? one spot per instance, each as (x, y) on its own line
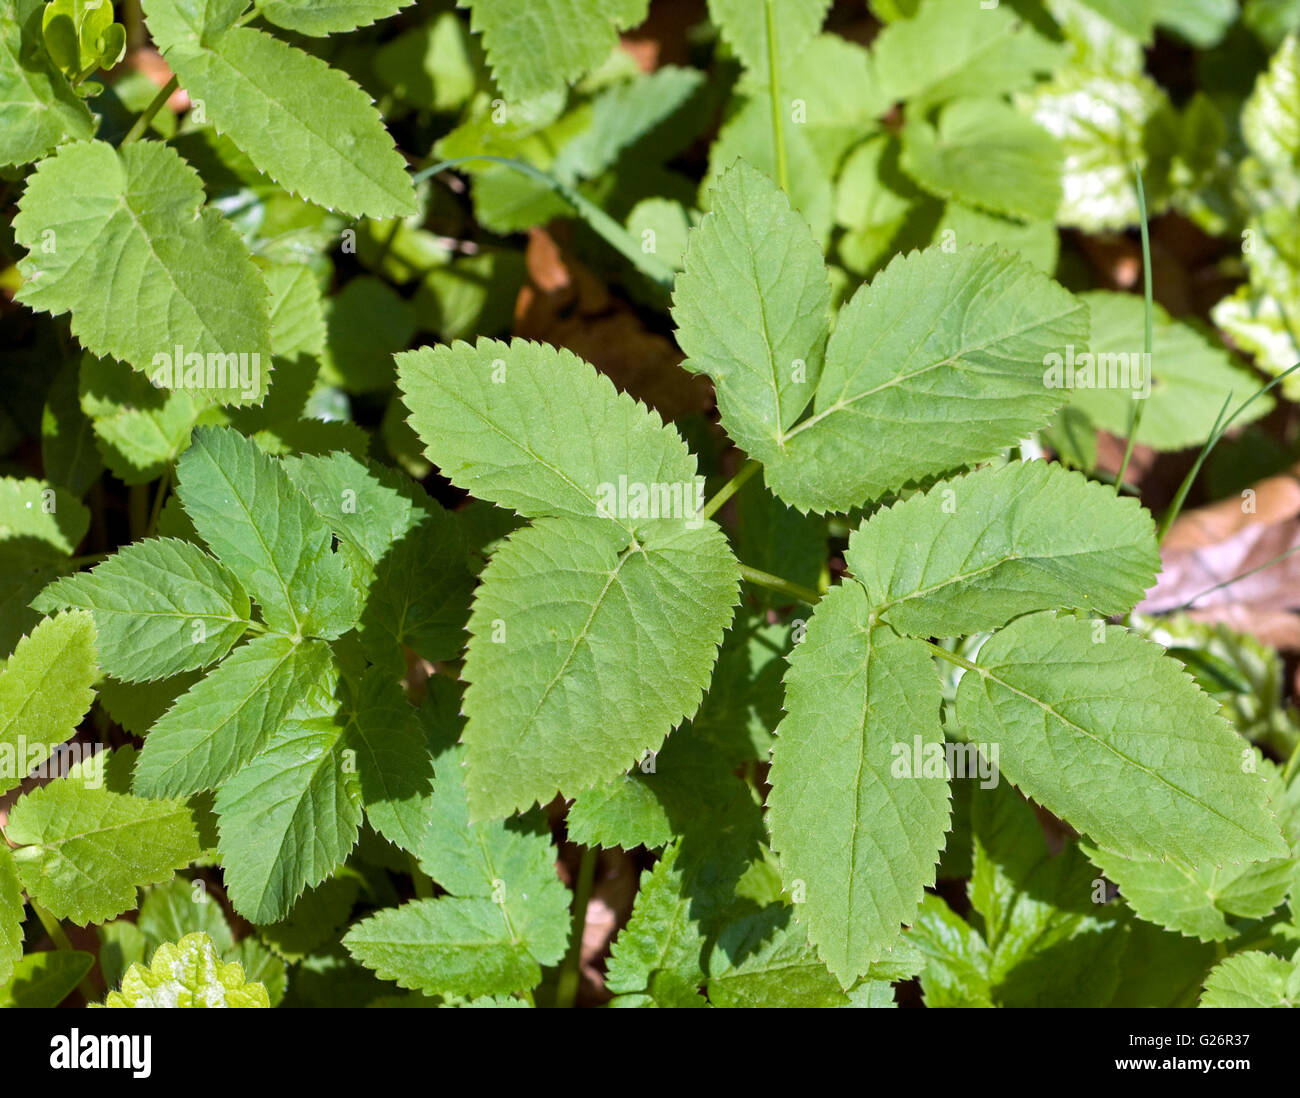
(1189, 376)
(188, 973)
(161, 606)
(226, 718)
(535, 429)
(288, 819)
(858, 834)
(761, 31)
(986, 153)
(45, 690)
(937, 364)
(1100, 728)
(949, 48)
(1270, 119)
(244, 505)
(546, 44)
(752, 309)
(119, 239)
(585, 649)
(43, 980)
(11, 915)
(84, 849)
(322, 17)
(973, 553)
(38, 108)
(305, 125)
(1252, 980)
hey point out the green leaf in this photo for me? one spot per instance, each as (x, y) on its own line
(585, 650)
(83, 849)
(44, 980)
(1252, 980)
(305, 125)
(38, 108)
(45, 690)
(957, 958)
(1189, 376)
(535, 429)
(549, 43)
(170, 911)
(160, 606)
(856, 836)
(288, 818)
(244, 505)
(937, 364)
(1270, 118)
(986, 153)
(367, 323)
(12, 913)
(227, 717)
(752, 309)
(120, 239)
(68, 453)
(1196, 901)
(1097, 726)
(319, 18)
(188, 973)
(949, 49)
(999, 543)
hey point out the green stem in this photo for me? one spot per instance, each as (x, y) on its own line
(142, 123)
(774, 91)
(566, 991)
(1135, 419)
(1216, 432)
(729, 489)
(614, 234)
(779, 585)
(163, 484)
(952, 657)
(1289, 770)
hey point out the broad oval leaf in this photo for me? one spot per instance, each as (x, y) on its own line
(973, 553)
(1096, 725)
(121, 239)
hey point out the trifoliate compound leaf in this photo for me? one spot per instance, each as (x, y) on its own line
(319, 18)
(188, 973)
(949, 49)
(83, 849)
(118, 238)
(753, 309)
(857, 829)
(768, 30)
(288, 819)
(263, 529)
(45, 690)
(586, 649)
(305, 125)
(1100, 120)
(937, 364)
(973, 553)
(38, 108)
(546, 44)
(43, 980)
(11, 915)
(160, 606)
(1096, 725)
(226, 718)
(1188, 379)
(985, 153)
(1252, 980)
(536, 429)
